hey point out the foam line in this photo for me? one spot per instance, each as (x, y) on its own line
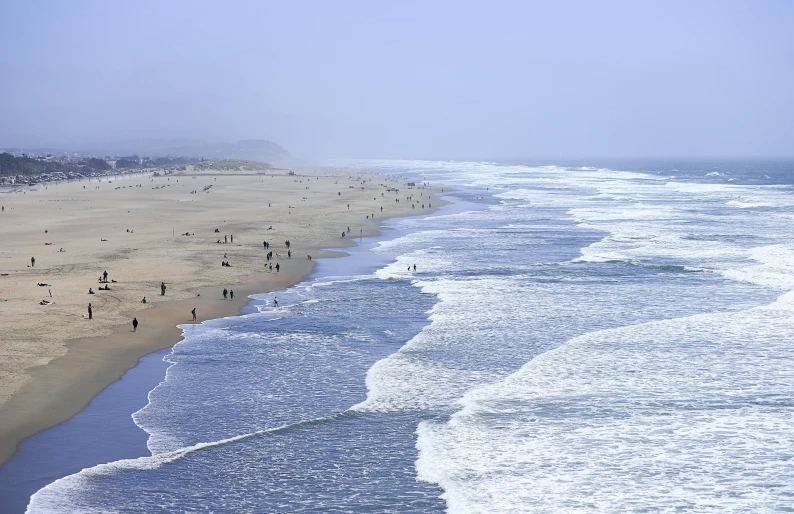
(48, 499)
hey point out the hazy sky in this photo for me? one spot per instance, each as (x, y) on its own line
(405, 79)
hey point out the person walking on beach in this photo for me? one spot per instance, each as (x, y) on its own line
(32, 262)
(289, 254)
(225, 293)
(90, 312)
(231, 294)
(225, 239)
(193, 312)
(278, 267)
(134, 324)
(162, 288)
(232, 238)
(105, 275)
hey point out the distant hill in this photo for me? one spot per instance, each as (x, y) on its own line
(14, 166)
(10, 165)
(248, 149)
(231, 165)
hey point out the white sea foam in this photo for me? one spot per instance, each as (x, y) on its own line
(69, 494)
(775, 267)
(675, 414)
(748, 205)
(645, 417)
(431, 383)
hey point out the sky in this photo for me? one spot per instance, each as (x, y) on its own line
(431, 79)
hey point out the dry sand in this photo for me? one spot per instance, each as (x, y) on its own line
(53, 360)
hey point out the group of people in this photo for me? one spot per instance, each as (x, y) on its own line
(269, 255)
(227, 294)
(104, 280)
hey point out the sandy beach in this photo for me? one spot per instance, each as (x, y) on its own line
(145, 231)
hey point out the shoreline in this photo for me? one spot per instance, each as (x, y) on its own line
(63, 387)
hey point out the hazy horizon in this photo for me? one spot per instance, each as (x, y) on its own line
(505, 80)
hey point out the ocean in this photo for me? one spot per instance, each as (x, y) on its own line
(607, 336)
